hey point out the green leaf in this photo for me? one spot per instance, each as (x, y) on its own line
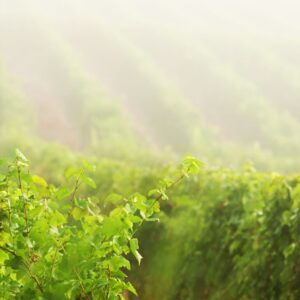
(134, 246)
(39, 180)
(57, 219)
(289, 250)
(112, 226)
(71, 172)
(113, 199)
(4, 238)
(88, 166)
(63, 193)
(3, 257)
(131, 288)
(118, 262)
(192, 165)
(21, 156)
(89, 181)
(153, 192)
(78, 213)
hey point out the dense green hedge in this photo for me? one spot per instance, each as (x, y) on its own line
(226, 235)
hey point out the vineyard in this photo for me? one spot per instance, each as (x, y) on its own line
(147, 155)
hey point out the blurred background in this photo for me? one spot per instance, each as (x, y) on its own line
(140, 79)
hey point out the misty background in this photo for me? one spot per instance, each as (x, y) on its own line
(217, 79)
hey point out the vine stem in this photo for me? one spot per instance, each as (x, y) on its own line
(174, 183)
(54, 261)
(27, 266)
(8, 251)
(81, 285)
(76, 187)
(109, 276)
(21, 188)
(34, 277)
(19, 178)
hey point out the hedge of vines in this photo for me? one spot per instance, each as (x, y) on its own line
(227, 235)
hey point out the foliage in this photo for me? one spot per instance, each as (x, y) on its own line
(56, 245)
(228, 235)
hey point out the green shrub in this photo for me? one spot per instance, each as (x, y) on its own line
(56, 245)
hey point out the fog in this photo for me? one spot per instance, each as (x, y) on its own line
(192, 76)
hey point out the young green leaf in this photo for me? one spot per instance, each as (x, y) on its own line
(134, 246)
